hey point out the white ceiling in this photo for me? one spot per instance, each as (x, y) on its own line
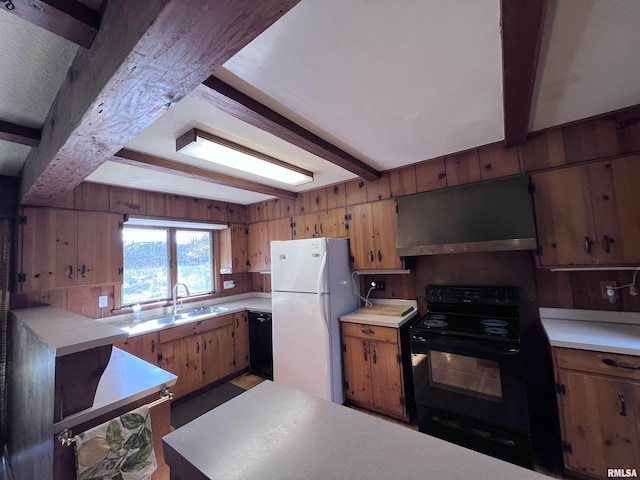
(392, 83)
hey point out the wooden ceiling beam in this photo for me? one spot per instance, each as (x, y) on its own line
(19, 134)
(151, 162)
(69, 19)
(146, 57)
(522, 31)
(235, 103)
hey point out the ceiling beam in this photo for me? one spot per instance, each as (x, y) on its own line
(522, 30)
(151, 162)
(69, 19)
(235, 103)
(146, 57)
(19, 134)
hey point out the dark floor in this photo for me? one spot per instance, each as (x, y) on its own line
(186, 411)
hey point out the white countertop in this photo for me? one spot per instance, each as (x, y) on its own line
(274, 432)
(383, 320)
(126, 379)
(67, 332)
(597, 330)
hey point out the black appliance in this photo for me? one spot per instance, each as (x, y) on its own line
(260, 344)
(468, 376)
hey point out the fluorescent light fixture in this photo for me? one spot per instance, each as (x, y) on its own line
(214, 149)
(159, 222)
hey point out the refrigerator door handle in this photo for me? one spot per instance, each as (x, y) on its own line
(321, 276)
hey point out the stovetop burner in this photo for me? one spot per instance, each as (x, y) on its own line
(434, 323)
(492, 322)
(496, 331)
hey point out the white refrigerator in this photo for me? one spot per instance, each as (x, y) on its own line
(310, 289)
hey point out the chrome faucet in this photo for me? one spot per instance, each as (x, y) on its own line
(174, 296)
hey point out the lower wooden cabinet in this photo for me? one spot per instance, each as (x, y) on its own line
(241, 340)
(372, 363)
(144, 346)
(599, 406)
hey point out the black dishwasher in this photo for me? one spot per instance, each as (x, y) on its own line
(260, 345)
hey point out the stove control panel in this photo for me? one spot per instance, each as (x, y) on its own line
(507, 296)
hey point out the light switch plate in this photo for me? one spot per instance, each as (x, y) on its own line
(103, 301)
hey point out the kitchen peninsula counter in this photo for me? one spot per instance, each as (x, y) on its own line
(291, 435)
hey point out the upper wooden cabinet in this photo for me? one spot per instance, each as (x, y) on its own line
(373, 232)
(586, 215)
(257, 246)
(234, 249)
(327, 223)
(66, 248)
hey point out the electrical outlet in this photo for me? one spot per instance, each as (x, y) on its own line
(378, 286)
(103, 301)
(603, 288)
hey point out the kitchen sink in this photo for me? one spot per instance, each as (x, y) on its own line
(151, 324)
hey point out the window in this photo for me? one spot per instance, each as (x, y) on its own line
(149, 271)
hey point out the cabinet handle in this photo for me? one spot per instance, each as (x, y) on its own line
(70, 271)
(623, 405)
(153, 346)
(613, 363)
(364, 351)
(197, 347)
(237, 322)
(204, 345)
(84, 271)
(321, 229)
(371, 255)
(375, 357)
(607, 243)
(368, 331)
(379, 256)
(588, 243)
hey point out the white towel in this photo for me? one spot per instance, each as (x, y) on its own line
(120, 449)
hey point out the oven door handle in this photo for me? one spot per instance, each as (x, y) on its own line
(482, 347)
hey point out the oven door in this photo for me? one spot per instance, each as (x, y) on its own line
(478, 380)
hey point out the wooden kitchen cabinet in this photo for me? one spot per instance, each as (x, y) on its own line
(67, 248)
(145, 346)
(234, 248)
(257, 246)
(199, 353)
(327, 223)
(241, 340)
(599, 407)
(373, 232)
(372, 363)
(583, 214)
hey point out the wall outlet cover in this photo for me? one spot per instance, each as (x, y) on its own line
(103, 301)
(228, 284)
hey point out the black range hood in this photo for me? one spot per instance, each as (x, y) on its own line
(487, 216)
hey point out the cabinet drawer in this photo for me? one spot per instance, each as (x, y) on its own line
(373, 332)
(174, 333)
(612, 364)
(215, 322)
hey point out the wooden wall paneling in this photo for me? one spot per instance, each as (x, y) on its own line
(260, 212)
(462, 168)
(92, 196)
(542, 150)
(356, 192)
(554, 289)
(216, 211)
(287, 207)
(252, 213)
(336, 196)
(66, 201)
(152, 203)
(273, 209)
(431, 175)
(260, 282)
(379, 189)
(124, 200)
(84, 301)
(402, 181)
(197, 209)
(55, 298)
(497, 161)
(590, 140)
(175, 205)
(318, 200)
(585, 288)
(303, 203)
(396, 286)
(236, 213)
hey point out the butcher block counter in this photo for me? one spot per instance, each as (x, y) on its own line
(272, 432)
(384, 313)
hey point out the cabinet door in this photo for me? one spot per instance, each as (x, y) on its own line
(234, 249)
(38, 249)
(385, 223)
(182, 358)
(142, 346)
(100, 248)
(357, 369)
(226, 354)
(210, 364)
(276, 230)
(332, 223)
(386, 377)
(241, 340)
(303, 225)
(257, 242)
(614, 191)
(600, 419)
(361, 237)
(66, 241)
(564, 218)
